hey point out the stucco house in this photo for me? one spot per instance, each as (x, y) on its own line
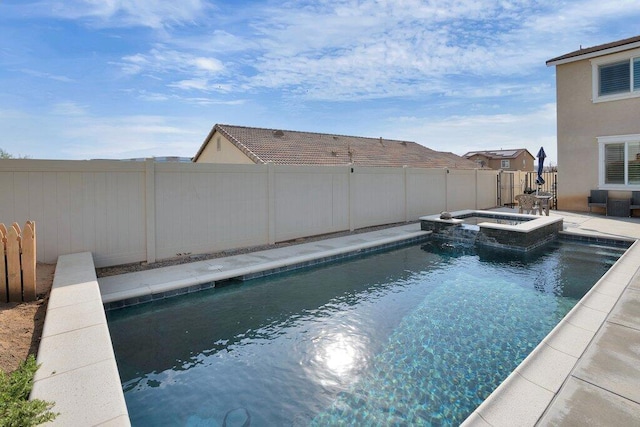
(248, 145)
(509, 160)
(598, 113)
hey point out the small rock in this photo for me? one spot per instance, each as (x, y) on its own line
(445, 215)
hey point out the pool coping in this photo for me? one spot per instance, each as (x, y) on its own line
(535, 222)
(78, 370)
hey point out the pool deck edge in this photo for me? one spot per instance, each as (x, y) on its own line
(78, 370)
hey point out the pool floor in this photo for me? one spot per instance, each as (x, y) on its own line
(418, 335)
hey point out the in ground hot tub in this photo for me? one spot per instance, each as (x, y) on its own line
(512, 231)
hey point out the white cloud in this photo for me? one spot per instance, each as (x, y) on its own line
(124, 13)
(211, 101)
(131, 136)
(345, 50)
(135, 64)
(363, 50)
(201, 84)
(84, 136)
(153, 96)
(46, 75)
(210, 65)
(214, 41)
(69, 109)
(162, 62)
(461, 134)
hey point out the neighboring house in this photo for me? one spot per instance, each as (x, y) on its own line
(163, 159)
(157, 159)
(519, 159)
(246, 145)
(598, 109)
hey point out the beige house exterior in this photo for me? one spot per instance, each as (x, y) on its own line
(219, 149)
(598, 119)
(248, 145)
(519, 159)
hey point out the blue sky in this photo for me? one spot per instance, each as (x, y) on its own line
(82, 79)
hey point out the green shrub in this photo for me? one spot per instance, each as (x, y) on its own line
(16, 410)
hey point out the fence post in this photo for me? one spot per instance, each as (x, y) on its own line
(4, 294)
(446, 190)
(13, 265)
(271, 200)
(150, 207)
(28, 259)
(352, 194)
(476, 192)
(406, 198)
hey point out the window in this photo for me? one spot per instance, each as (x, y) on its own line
(505, 164)
(619, 161)
(614, 164)
(616, 77)
(218, 144)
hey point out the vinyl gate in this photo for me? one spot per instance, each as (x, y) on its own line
(550, 185)
(510, 184)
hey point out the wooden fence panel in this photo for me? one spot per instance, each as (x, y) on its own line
(18, 263)
(13, 266)
(28, 259)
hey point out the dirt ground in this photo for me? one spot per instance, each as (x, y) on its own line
(21, 323)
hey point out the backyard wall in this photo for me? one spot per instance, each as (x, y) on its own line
(126, 212)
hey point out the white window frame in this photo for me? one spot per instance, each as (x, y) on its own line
(615, 139)
(505, 164)
(610, 59)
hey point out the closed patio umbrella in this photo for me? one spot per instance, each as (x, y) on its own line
(541, 156)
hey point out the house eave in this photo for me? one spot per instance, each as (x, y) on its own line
(594, 54)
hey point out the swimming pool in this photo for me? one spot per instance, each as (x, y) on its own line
(416, 335)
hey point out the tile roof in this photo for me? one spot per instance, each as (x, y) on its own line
(596, 50)
(498, 154)
(308, 148)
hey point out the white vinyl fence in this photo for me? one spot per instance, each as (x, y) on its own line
(126, 212)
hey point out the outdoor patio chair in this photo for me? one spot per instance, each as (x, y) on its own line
(544, 200)
(598, 198)
(527, 203)
(635, 200)
(618, 207)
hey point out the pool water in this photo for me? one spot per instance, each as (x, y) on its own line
(419, 335)
(475, 220)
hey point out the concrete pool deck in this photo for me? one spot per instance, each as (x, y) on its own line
(585, 371)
